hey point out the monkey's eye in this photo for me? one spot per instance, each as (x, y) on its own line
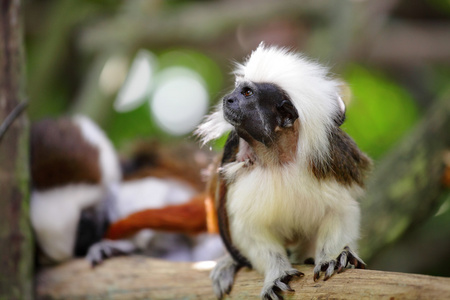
(247, 92)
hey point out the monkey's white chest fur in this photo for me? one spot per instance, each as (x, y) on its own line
(285, 204)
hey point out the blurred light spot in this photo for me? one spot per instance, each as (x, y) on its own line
(180, 100)
(204, 265)
(138, 84)
(113, 74)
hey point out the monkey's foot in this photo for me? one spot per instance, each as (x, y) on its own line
(272, 290)
(346, 257)
(223, 275)
(108, 248)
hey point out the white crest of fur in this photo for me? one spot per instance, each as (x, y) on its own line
(214, 126)
(314, 94)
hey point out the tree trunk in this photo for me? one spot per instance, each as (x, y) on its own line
(406, 186)
(15, 239)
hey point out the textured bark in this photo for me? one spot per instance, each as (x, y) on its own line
(407, 186)
(15, 238)
(137, 277)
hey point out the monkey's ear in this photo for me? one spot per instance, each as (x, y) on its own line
(340, 115)
(343, 98)
(288, 113)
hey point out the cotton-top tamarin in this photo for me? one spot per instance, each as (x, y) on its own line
(153, 203)
(75, 172)
(289, 177)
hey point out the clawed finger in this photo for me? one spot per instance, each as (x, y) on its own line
(346, 257)
(342, 262)
(330, 270)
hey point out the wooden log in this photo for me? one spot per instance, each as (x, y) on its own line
(138, 277)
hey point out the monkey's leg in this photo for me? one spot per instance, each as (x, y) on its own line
(223, 275)
(337, 234)
(268, 256)
(277, 277)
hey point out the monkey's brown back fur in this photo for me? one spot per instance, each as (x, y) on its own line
(346, 163)
(60, 155)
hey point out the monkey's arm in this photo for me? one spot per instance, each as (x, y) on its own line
(229, 155)
(226, 268)
(189, 217)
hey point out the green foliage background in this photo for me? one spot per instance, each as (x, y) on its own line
(69, 42)
(380, 112)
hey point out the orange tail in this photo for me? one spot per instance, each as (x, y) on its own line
(184, 218)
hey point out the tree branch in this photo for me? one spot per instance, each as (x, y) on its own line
(137, 277)
(11, 117)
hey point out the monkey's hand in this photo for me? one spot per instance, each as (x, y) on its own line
(280, 284)
(223, 275)
(347, 256)
(108, 248)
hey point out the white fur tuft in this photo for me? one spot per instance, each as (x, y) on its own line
(214, 126)
(314, 94)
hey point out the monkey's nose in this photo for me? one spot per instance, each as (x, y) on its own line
(231, 103)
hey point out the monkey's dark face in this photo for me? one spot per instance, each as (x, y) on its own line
(259, 111)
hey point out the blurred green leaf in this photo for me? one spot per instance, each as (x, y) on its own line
(380, 112)
(127, 126)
